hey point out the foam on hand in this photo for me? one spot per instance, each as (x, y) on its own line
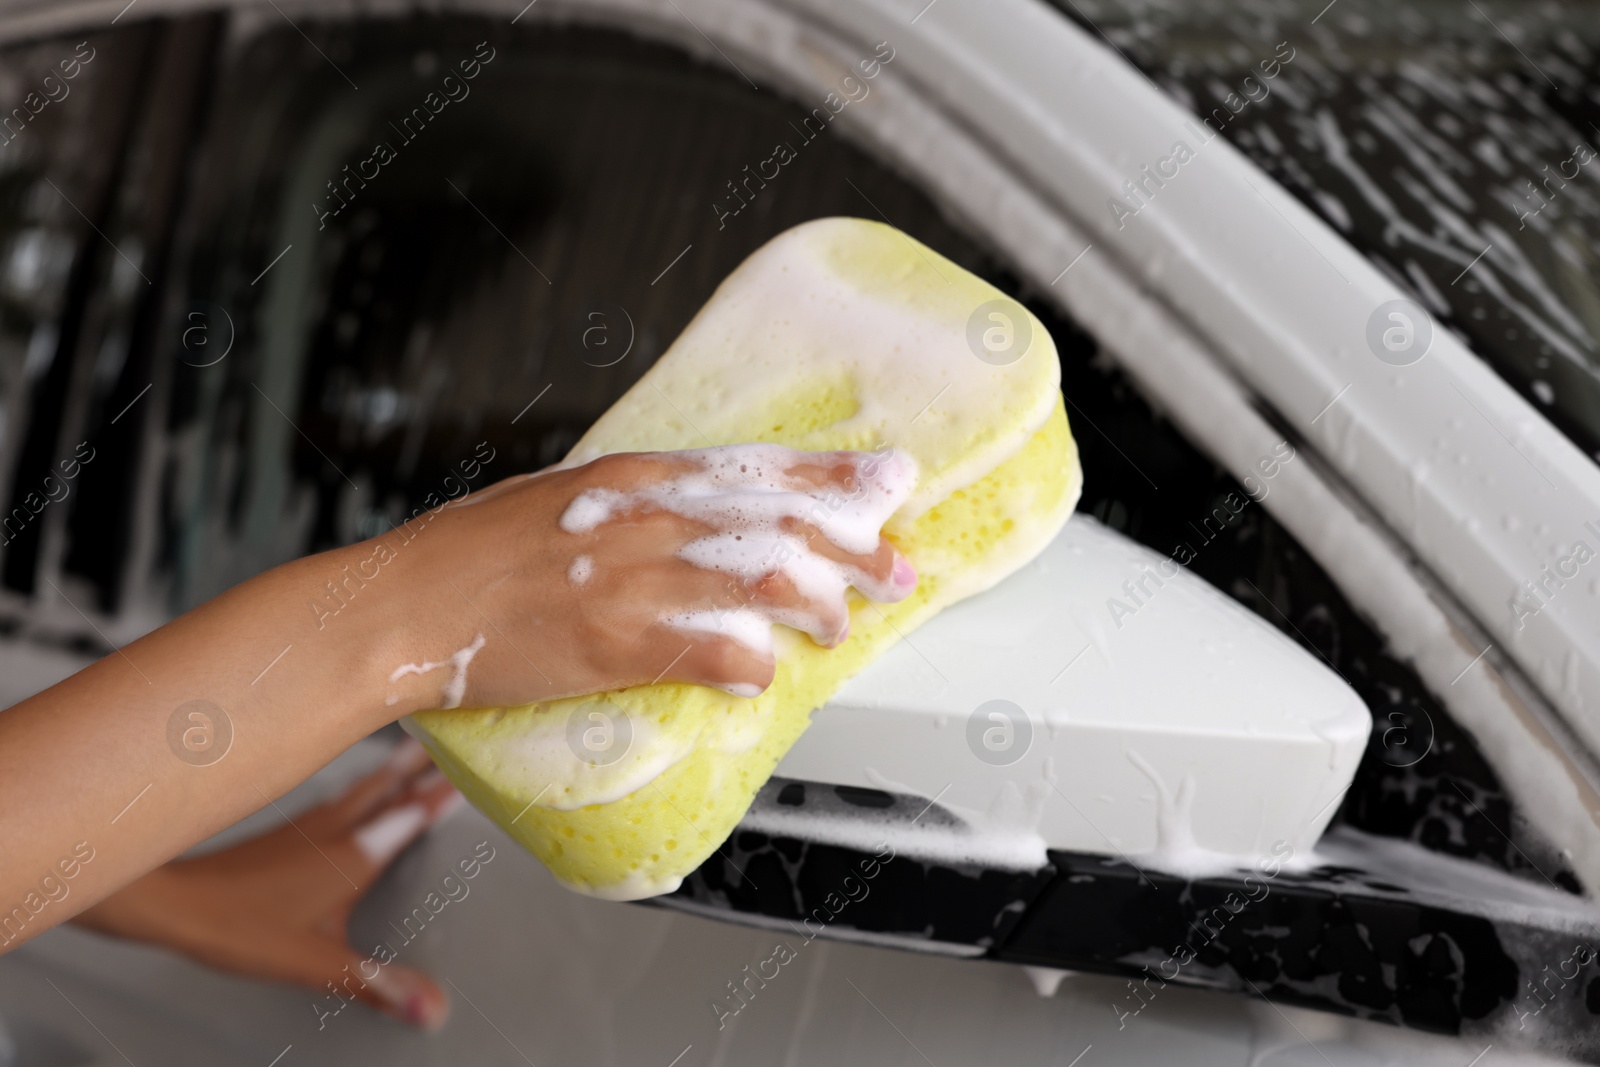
(750, 494)
(839, 334)
(455, 688)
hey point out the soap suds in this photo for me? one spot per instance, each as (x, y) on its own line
(887, 359)
(456, 688)
(560, 775)
(1046, 980)
(942, 834)
(1176, 849)
(748, 486)
(581, 571)
(743, 625)
(953, 844)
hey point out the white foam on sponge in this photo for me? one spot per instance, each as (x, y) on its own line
(570, 775)
(858, 312)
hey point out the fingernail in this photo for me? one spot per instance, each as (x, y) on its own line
(418, 1012)
(410, 997)
(905, 575)
(843, 633)
(386, 835)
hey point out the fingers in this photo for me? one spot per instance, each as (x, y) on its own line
(401, 819)
(799, 595)
(374, 820)
(719, 545)
(407, 995)
(738, 586)
(804, 599)
(747, 494)
(848, 494)
(775, 578)
(357, 803)
(883, 574)
(838, 472)
(858, 491)
(709, 659)
(340, 974)
(798, 578)
(884, 473)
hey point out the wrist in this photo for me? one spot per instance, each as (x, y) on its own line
(358, 625)
(414, 630)
(145, 909)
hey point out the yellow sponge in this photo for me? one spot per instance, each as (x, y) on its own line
(837, 334)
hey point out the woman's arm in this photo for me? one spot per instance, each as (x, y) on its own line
(307, 658)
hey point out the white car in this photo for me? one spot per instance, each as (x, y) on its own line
(1321, 284)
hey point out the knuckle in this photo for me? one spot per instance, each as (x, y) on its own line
(736, 591)
(770, 586)
(614, 466)
(724, 660)
(882, 565)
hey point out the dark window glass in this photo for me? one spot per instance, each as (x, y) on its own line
(92, 152)
(1462, 164)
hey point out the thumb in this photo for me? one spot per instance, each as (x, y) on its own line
(342, 974)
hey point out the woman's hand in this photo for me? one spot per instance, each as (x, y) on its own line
(627, 570)
(643, 567)
(276, 906)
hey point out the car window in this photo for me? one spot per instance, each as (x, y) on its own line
(91, 175)
(1456, 146)
(465, 261)
(68, 104)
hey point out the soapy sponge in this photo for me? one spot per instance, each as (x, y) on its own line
(837, 334)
